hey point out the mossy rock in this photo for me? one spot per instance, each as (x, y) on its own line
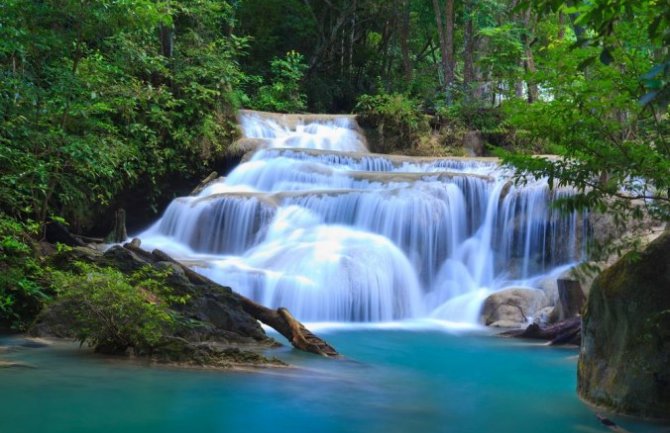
(624, 362)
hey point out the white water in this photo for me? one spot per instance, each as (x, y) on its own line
(315, 223)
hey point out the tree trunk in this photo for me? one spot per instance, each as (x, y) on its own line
(167, 40)
(449, 36)
(404, 40)
(445, 32)
(564, 332)
(469, 53)
(529, 61)
(352, 37)
(443, 44)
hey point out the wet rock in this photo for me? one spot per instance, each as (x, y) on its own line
(13, 364)
(624, 361)
(58, 233)
(212, 312)
(513, 306)
(543, 316)
(208, 354)
(123, 259)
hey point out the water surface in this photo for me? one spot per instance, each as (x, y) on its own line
(393, 380)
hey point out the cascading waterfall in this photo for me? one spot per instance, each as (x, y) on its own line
(315, 223)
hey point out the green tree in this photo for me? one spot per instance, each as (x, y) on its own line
(284, 93)
(611, 137)
(97, 97)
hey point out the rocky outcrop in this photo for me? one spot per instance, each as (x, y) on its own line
(624, 361)
(512, 307)
(220, 327)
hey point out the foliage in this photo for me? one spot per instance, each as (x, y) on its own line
(598, 24)
(614, 150)
(114, 312)
(284, 94)
(395, 115)
(96, 97)
(22, 290)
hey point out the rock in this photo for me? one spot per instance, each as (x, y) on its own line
(473, 143)
(543, 316)
(123, 259)
(208, 354)
(513, 305)
(221, 318)
(213, 312)
(624, 362)
(134, 243)
(12, 364)
(505, 324)
(58, 233)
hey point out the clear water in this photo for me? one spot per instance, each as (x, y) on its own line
(393, 380)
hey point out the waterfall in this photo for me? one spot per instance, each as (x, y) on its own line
(315, 223)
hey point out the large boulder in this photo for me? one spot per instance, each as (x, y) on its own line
(624, 361)
(512, 307)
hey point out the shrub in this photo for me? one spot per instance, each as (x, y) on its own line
(113, 312)
(285, 93)
(22, 291)
(397, 118)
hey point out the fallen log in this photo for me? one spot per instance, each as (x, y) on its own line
(564, 332)
(206, 181)
(280, 319)
(89, 239)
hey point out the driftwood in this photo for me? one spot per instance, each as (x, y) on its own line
(89, 239)
(564, 332)
(280, 319)
(206, 181)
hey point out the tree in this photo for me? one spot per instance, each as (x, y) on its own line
(97, 97)
(611, 135)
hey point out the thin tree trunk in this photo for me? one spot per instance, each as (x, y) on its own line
(404, 40)
(561, 26)
(443, 44)
(449, 37)
(469, 53)
(352, 37)
(529, 62)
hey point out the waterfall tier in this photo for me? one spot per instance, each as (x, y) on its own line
(315, 223)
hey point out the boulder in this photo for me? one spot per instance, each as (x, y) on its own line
(513, 306)
(624, 362)
(57, 233)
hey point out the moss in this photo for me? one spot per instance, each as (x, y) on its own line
(181, 352)
(625, 357)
